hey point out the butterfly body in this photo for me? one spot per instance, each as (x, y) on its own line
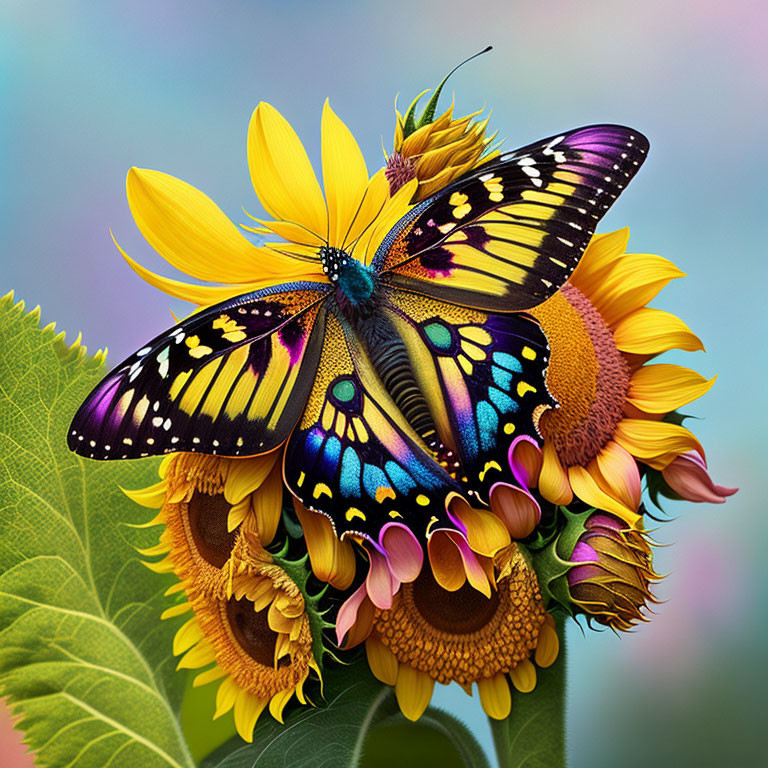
(393, 382)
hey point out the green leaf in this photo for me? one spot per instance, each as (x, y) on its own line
(84, 657)
(534, 733)
(437, 738)
(329, 736)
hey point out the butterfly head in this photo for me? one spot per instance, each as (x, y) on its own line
(354, 281)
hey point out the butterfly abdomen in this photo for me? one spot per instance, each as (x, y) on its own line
(389, 356)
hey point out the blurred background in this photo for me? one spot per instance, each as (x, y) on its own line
(89, 89)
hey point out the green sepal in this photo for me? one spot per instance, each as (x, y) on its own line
(658, 486)
(299, 572)
(552, 561)
(410, 123)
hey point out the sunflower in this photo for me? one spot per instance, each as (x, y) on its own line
(436, 152)
(434, 635)
(614, 408)
(457, 556)
(250, 618)
(195, 236)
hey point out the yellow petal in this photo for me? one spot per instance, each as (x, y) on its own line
(664, 388)
(656, 443)
(281, 172)
(394, 209)
(374, 201)
(226, 697)
(267, 504)
(446, 562)
(209, 676)
(192, 233)
(548, 646)
(344, 175)
(602, 252)
(649, 331)
(199, 656)
(293, 233)
(630, 284)
(176, 610)
(413, 691)
(495, 696)
(278, 702)
(523, 676)
(586, 488)
(617, 474)
(151, 497)
(247, 710)
(244, 476)
(202, 295)
(381, 660)
(553, 480)
(486, 533)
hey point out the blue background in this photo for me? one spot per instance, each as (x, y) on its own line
(89, 89)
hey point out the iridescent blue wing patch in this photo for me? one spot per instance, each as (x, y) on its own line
(483, 376)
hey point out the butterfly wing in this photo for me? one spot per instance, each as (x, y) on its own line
(353, 456)
(231, 380)
(506, 236)
(483, 375)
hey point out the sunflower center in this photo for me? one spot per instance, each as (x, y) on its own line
(251, 630)
(461, 612)
(399, 171)
(459, 635)
(587, 375)
(208, 516)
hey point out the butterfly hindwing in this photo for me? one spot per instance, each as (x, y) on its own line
(483, 375)
(231, 379)
(353, 457)
(508, 235)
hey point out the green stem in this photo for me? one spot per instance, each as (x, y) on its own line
(534, 733)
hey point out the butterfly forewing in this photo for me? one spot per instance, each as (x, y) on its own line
(232, 380)
(508, 235)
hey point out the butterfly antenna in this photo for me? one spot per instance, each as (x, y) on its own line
(429, 111)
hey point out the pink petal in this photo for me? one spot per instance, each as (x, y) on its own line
(380, 582)
(347, 615)
(687, 476)
(403, 550)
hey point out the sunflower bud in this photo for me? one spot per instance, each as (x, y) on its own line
(436, 149)
(613, 573)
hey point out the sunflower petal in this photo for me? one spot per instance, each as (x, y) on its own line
(663, 388)
(553, 480)
(523, 676)
(649, 331)
(281, 172)
(344, 175)
(587, 489)
(601, 253)
(495, 696)
(192, 233)
(381, 660)
(656, 443)
(630, 284)
(619, 474)
(413, 691)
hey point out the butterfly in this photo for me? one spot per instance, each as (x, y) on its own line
(395, 384)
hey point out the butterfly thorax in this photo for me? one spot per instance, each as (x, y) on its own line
(354, 281)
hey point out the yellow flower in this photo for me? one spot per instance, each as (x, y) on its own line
(195, 236)
(250, 619)
(438, 152)
(611, 404)
(433, 635)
